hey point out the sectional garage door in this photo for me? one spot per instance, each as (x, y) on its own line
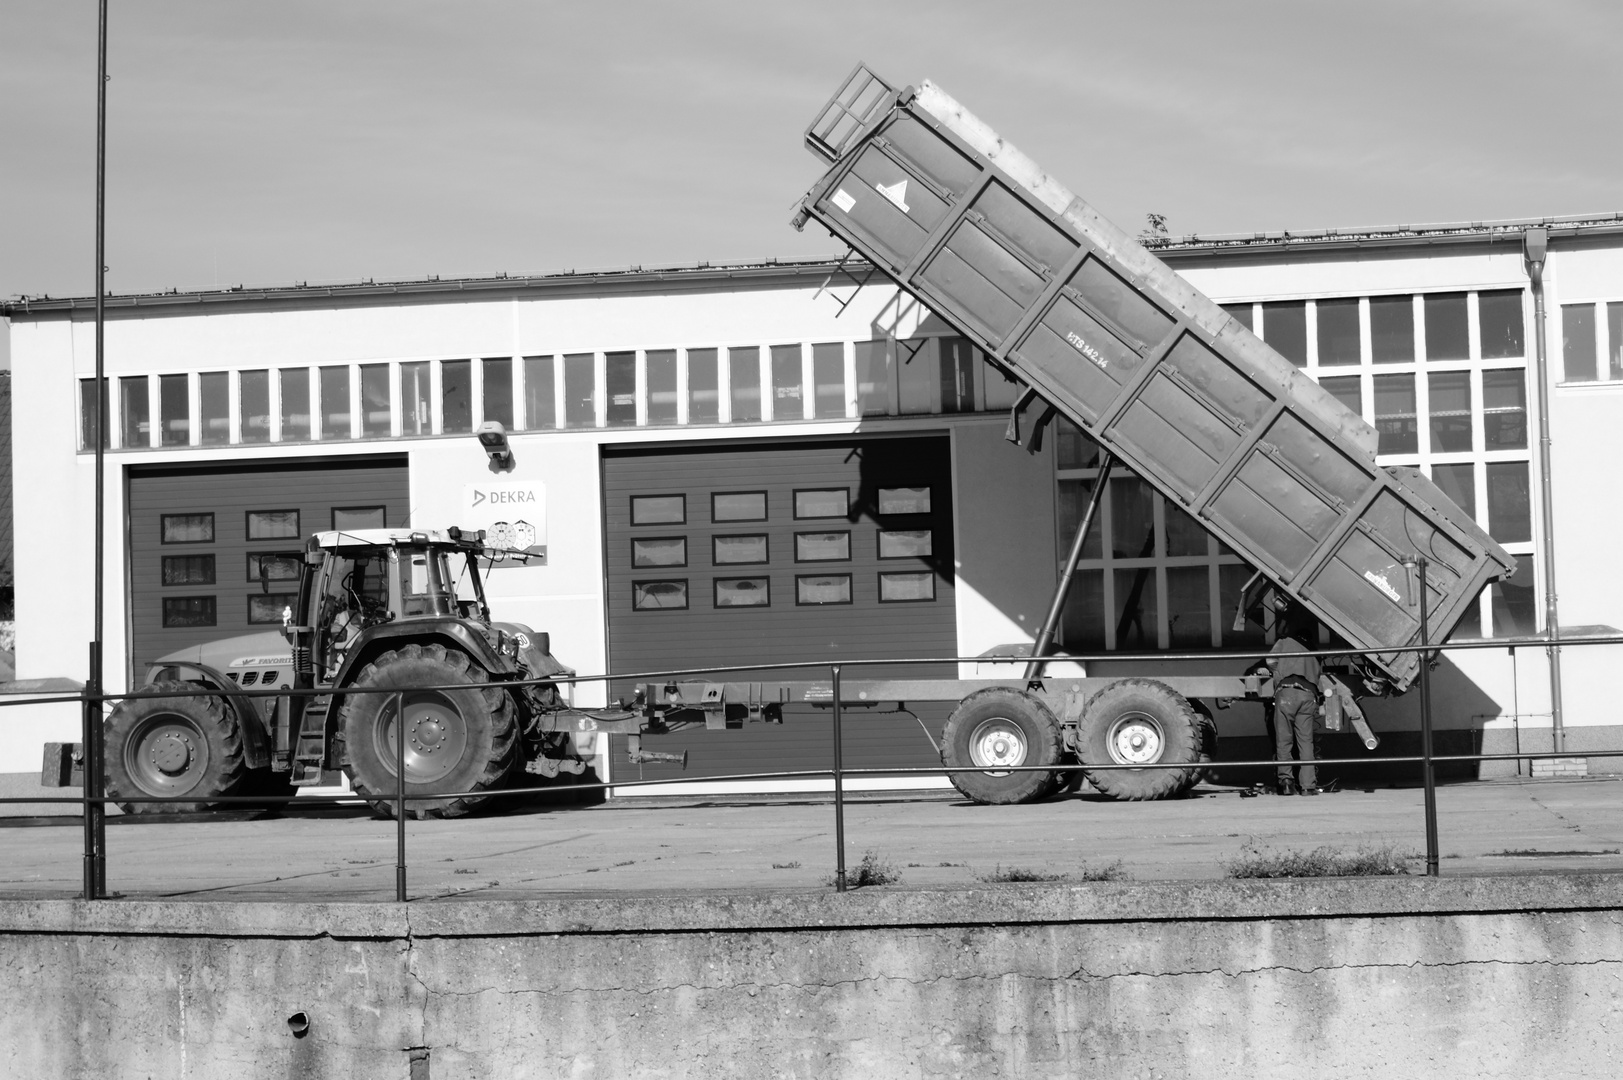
(777, 552)
(198, 535)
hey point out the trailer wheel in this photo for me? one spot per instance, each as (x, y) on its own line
(998, 726)
(457, 739)
(172, 746)
(1140, 722)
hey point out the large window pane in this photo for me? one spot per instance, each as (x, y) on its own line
(1252, 635)
(1395, 414)
(1448, 336)
(1189, 607)
(703, 396)
(917, 375)
(1510, 515)
(1338, 332)
(540, 408)
(661, 365)
(295, 393)
(1073, 501)
(1614, 340)
(828, 374)
(1135, 612)
(873, 378)
(214, 406)
(1132, 531)
(416, 400)
(1184, 534)
(620, 383)
(1241, 313)
(1002, 391)
(1578, 342)
(580, 390)
(1459, 484)
(255, 406)
(1500, 316)
(456, 396)
(1504, 409)
(1515, 605)
(788, 393)
(135, 416)
(375, 401)
(174, 410)
(497, 373)
(1450, 393)
(88, 415)
(1284, 326)
(957, 375)
(1073, 449)
(1347, 389)
(1082, 626)
(335, 403)
(744, 375)
(1391, 329)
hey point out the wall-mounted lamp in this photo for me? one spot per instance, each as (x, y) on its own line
(493, 437)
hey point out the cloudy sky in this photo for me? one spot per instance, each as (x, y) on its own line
(349, 139)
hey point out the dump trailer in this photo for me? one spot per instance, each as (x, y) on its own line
(1165, 381)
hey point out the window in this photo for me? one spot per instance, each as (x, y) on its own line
(335, 417)
(214, 401)
(274, 565)
(1578, 342)
(1347, 389)
(375, 412)
(917, 376)
(1458, 482)
(1614, 339)
(1002, 390)
(416, 399)
(273, 524)
(906, 588)
(187, 528)
(183, 611)
(1499, 315)
(456, 396)
(1284, 326)
(822, 547)
(1448, 336)
(703, 397)
(540, 400)
(580, 390)
(1240, 313)
(659, 551)
(820, 589)
(1391, 329)
(744, 377)
(1510, 515)
(738, 506)
(904, 543)
(496, 372)
(822, 503)
(1136, 609)
(620, 380)
(743, 592)
(255, 406)
(1189, 611)
(661, 365)
(659, 595)
(739, 550)
(788, 390)
(658, 509)
(88, 414)
(188, 569)
(174, 410)
(873, 378)
(957, 375)
(1395, 416)
(1504, 409)
(1338, 332)
(267, 608)
(1514, 604)
(904, 500)
(353, 518)
(1450, 393)
(294, 384)
(828, 374)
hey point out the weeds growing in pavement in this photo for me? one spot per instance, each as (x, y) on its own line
(1255, 862)
(786, 865)
(872, 870)
(1113, 871)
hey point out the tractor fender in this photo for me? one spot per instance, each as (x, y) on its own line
(450, 632)
(251, 722)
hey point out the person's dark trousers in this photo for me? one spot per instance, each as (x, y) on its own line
(1294, 712)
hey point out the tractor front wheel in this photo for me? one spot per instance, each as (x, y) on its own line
(172, 746)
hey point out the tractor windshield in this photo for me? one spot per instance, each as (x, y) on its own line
(423, 583)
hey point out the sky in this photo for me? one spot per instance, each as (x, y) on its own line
(271, 143)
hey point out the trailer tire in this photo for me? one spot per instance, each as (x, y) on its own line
(172, 746)
(472, 729)
(1140, 722)
(1000, 726)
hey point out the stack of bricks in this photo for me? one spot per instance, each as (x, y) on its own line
(1560, 767)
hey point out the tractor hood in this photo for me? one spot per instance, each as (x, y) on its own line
(266, 649)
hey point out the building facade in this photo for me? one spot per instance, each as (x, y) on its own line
(763, 464)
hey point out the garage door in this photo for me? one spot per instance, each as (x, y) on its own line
(198, 536)
(763, 553)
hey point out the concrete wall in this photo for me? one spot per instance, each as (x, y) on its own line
(1454, 977)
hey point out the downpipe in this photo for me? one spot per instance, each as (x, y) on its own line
(1536, 248)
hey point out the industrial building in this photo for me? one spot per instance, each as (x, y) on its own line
(765, 463)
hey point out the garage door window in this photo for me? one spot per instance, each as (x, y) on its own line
(906, 588)
(266, 608)
(743, 592)
(273, 524)
(822, 503)
(820, 589)
(187, 528)
(904, 544)
(275, 565)
(659, 595)
(188, 611)
(738, 506)
(350, 518)
(188, 569)
(739, 550)
(909, 500)
(659, 551)
(658, 510)
(823, 547)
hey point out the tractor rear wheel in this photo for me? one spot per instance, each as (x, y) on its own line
(171, 747)
(999, 726)
(461, 739)
(1140, 722)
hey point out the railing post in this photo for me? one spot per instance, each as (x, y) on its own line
(839, 790)
(400, 796)
(95, 810)
(1432, 868)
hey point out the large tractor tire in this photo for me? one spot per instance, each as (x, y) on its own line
(1140, 722)
(998, 726)
(456, 740)
(171, 747)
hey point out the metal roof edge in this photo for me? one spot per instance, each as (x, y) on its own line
(1567, 226)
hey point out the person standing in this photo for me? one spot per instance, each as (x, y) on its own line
(1296, 707)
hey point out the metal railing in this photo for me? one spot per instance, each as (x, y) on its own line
(94, 802)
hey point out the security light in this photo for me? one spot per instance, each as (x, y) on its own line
(493, 437)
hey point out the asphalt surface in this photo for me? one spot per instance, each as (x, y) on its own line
(643, 846)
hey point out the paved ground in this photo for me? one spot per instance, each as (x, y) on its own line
(1489, 827)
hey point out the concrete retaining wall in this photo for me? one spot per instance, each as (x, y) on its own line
(1454, 977)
